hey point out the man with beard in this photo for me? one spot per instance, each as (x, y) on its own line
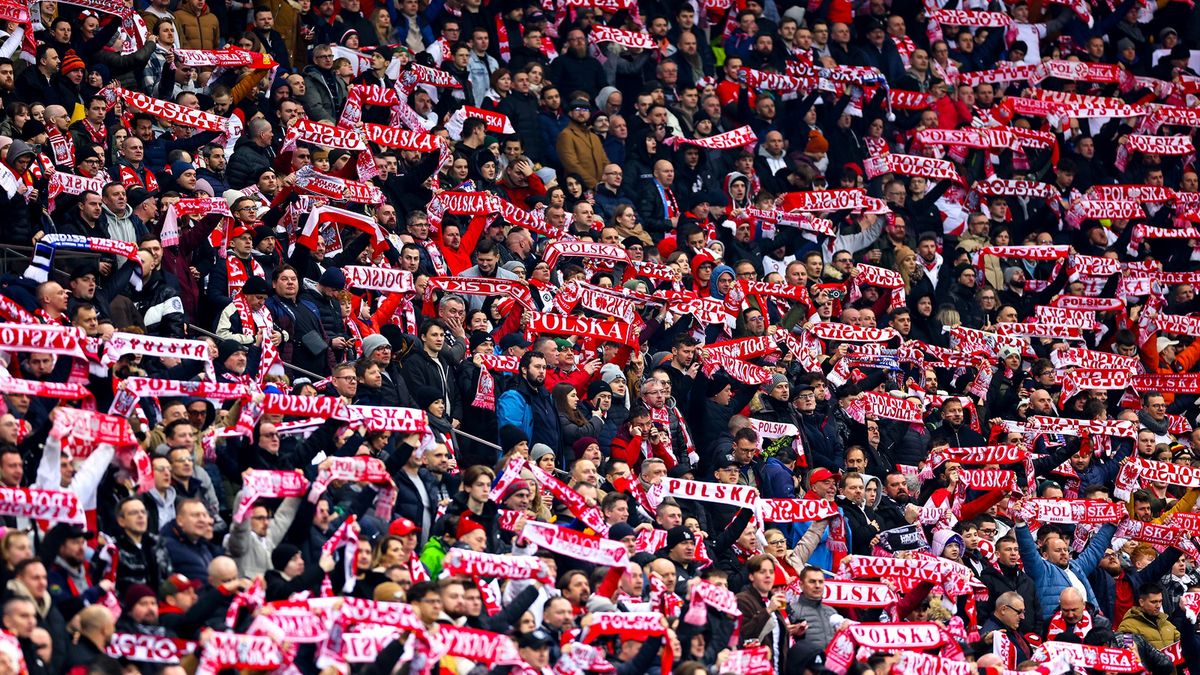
(1053, 571)
(140, 615)
(528, 405)
(955, 428)
(69, 575)
(895, 507)
(576, 70)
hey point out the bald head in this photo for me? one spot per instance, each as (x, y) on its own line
(662, 566)
(664, 172)
(221, 570)
(56, 114)
(97, 623)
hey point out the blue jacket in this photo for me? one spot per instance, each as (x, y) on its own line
(189, 558)
(777, 481)
(532, 412)
(1051, 579)
(1105, 472)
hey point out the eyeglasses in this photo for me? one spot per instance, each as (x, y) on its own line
(777, 542)
(1018, 612)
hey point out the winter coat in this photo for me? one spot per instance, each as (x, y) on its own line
(322, 101)
(246, 162)
(532, 412)
(1158, 630)
(252, 555)
(1008, 579)
(145, 564)
(197, 32)
(420, 370)
(581, 151)
(1051, 579)
(569, 432)
(189, 558)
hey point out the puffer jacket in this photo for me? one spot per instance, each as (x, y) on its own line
(819, 617)
(146, 564)
(201, 31)
(1157, 630)
(1051, 579)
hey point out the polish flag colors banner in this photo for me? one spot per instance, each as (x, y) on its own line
(796, 510)
(1107, 659)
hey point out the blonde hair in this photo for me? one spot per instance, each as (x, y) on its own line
(902, 252)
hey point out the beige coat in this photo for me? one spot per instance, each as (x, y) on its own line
(580, 151)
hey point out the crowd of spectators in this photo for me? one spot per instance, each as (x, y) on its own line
(904, 376)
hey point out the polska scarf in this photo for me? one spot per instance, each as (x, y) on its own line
(235, 269)
(1058, 626)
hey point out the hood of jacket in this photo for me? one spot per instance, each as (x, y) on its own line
(716, 274)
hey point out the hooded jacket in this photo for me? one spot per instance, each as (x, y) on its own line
(21, 219)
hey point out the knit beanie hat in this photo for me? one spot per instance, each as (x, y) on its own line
(282, 554)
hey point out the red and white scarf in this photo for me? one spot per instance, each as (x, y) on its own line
(578, 545)
(912, 165)
(461, 562)
(738, 138)
(62, 146)
(54, 505)
(257, 484)
(1058, 626)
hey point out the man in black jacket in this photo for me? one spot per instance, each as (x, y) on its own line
(426, 367)
(290, 574)
(394, 391)
(304, 343)
(137, 549)
(324, 297)
(1011, 577)
(893, 509)
(272, 41)
(955, 428)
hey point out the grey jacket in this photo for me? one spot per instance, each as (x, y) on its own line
(821, 620)
(252, 554)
